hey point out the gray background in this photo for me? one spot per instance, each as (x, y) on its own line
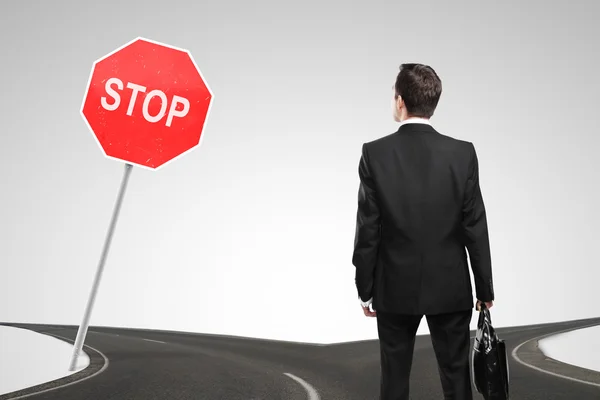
(252, 233)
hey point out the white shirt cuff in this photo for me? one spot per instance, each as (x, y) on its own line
(366, 303)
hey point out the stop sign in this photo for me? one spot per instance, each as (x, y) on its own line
(146, 103)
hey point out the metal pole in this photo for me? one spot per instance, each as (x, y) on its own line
(88, 310)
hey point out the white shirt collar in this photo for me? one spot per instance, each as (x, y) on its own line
(415, 120)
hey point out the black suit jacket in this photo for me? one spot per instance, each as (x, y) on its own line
(419, 207)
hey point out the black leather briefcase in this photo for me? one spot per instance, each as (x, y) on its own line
(489, 360)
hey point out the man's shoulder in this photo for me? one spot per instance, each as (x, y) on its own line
(458, 142)
(454, 146)
(381, 141)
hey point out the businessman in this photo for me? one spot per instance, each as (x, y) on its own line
(420, 209)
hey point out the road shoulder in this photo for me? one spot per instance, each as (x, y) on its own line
(529, 354)
(98, 363)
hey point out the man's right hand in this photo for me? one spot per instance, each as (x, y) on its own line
(488, 304)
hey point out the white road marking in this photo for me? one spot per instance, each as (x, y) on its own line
(311, 391)
(516, 357)
(155, 341)
(70, 383)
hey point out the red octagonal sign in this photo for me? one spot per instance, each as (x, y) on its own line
(146, 103)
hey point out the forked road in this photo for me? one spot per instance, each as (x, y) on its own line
(150, 365)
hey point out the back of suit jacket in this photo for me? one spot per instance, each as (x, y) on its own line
(419, 209)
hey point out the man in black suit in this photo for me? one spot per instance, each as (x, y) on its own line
(419, 206)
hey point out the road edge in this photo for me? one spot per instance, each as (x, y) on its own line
(98, 363)
(529, 354)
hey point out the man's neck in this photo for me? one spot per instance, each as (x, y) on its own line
(418, 120)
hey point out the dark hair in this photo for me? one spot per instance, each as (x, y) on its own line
(420, 88)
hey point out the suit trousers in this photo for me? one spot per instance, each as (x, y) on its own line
(450, 336)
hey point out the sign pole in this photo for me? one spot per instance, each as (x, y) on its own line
(81, 333)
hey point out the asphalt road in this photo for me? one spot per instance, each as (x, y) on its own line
(151, 365)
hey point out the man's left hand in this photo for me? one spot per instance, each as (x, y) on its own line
(368, 312)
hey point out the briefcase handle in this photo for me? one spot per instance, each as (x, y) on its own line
(484, 312)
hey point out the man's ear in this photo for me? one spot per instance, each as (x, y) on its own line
(399, 103)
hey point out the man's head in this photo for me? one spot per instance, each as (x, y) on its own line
(417, 92)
